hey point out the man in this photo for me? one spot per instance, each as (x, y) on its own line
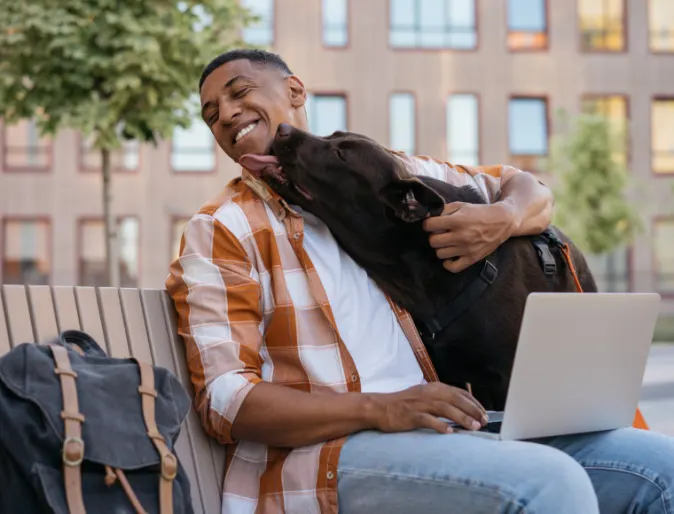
(321, 387)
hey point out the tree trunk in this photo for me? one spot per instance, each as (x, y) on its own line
(111, 247)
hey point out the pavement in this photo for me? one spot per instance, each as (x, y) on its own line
(657, 392)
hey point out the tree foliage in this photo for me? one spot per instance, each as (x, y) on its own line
(109, 68)
(591, 186)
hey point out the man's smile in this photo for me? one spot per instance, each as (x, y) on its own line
(244, 131)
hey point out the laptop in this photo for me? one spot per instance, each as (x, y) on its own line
(579, 365)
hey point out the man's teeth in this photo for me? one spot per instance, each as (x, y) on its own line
(245, 131)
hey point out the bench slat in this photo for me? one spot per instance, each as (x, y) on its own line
(90, 315)
(18, 315)
(113, 322)
(4, 334)
(163, 353)
(44, 316)
(66, 309)
(210, 461)
(135, 325)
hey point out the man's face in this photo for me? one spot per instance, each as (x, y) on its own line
(243, 105)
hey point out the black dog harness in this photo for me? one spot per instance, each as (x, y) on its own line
(432, 325)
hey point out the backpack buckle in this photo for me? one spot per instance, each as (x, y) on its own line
(169, 467)
(73, 451)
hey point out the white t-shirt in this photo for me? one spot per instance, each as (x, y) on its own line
(365, 320)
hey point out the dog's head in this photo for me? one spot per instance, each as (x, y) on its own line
(341, 173)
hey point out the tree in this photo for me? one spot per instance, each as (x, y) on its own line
(110, 69)
(591, 184)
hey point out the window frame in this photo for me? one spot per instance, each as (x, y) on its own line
(415, 105)
(546, 32)
(273, 27)
(329, 93)
(628, 119)
(478, 101)
(650, 32)
(656, 98)
(655, 269)
(79, 245)
(529, 157)
(625, 30)
(347, 44)
(48, 219)
(396, 48)
(83, 168)
(8, 168)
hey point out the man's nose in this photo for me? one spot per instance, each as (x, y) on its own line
(228, 111)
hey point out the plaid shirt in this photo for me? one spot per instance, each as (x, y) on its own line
(251, 307)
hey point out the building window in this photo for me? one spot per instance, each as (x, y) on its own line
(527, 24)
(527, 131)
(433, 24)
(193, 148)
(661, 25)
(261, 32)
(602, 25)
(335, 22)
(92, 268)
(326, 113)
(402, 122)
(663, 250)
(662, 135)
(124, 160)
(463, 133)
(177, 228)
(24, 148)
(611, 271)
(614, 109)
(26, 251)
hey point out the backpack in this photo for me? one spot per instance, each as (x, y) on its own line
(83, 432)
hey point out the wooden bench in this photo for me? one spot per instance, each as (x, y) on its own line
(127, 322)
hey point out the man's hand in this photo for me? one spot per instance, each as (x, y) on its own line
(421, 406)
(467, 233)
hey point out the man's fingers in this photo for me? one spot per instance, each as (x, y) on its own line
(433, 423)
(458, 265)
(449, 252)
(471, 398)
(445, 221)
(445, 239)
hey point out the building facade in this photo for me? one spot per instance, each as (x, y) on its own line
(469, 81)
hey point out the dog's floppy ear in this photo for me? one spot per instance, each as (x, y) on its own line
(411, 200)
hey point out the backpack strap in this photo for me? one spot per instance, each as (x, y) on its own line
(73, 445)
(169, 462)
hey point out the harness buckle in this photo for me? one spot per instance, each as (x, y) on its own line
(489, 272)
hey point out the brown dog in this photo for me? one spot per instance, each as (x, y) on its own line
(469, 321)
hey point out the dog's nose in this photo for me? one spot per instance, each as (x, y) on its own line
(284, 130)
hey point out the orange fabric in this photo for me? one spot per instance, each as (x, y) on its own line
(639, 421)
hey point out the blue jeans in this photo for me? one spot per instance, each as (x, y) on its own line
(621, 471)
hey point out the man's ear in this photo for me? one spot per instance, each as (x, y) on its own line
(411, 200)
(297, 92)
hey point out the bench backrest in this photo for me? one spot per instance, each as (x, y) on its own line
(127, 322)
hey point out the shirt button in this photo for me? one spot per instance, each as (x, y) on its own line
(296, 235)
(330, 475)
(354, 377)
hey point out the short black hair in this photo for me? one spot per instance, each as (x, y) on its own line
(261, 57)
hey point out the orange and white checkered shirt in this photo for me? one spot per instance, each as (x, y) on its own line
(252, 308)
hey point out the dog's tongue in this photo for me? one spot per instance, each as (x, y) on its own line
(256, 164)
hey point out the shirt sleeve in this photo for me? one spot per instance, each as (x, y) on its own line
(489, 180)
(216, 294)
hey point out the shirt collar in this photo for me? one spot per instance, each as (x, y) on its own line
(278, 205)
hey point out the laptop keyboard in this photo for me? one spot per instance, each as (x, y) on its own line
(493, 426)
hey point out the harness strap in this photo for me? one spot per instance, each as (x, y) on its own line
(447, 314)
(73, 445)
(542, 244)
(169, 463)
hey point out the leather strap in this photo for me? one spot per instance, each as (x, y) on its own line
(169, 462)
(73, 445)
(432, 325)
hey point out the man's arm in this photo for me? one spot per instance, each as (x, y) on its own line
(217, 300)
(518, 205)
